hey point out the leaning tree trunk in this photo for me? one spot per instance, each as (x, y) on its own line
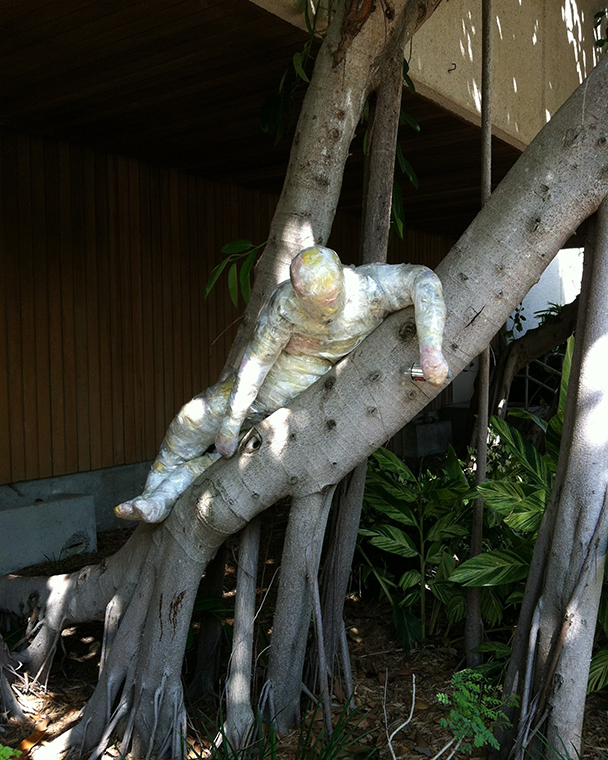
(307, 447)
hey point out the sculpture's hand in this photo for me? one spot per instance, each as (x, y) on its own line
(226, 446)
(434, 366)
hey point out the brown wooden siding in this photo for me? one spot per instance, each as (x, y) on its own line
(104, 329)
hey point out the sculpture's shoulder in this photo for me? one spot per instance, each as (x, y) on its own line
(366, 287)
(393, 284)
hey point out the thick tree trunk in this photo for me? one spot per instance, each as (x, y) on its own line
(377, 200)
(240, 717)
(348, 67)
(307, 447)
(515, 676)
(299, 564)
(575, 565)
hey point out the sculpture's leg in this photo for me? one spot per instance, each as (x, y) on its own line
(181, 458)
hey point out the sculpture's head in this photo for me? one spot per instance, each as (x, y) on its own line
(317, 277)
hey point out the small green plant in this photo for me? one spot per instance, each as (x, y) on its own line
(517, 495)
(419, 520)
(6, 753)
(475, 708)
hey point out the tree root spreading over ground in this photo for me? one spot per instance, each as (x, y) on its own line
(374, 652)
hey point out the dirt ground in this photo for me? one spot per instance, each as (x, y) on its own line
(383, 675)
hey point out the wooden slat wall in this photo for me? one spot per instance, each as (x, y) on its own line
(104, 329)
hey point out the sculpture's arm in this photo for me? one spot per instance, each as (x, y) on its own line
(271, 335)
(406, 284)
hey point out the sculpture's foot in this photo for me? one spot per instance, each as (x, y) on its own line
(155, 507)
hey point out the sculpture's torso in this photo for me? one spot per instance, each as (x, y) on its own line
(314, 347)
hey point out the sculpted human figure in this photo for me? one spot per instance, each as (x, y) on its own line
(310, 322)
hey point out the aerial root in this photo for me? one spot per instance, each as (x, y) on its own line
(45, 666)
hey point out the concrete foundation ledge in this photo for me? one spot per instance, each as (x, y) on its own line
(50, 529)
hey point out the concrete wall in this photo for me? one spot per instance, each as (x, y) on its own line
(543, 49)
(108, 487)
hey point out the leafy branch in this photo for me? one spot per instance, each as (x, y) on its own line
(237, 251)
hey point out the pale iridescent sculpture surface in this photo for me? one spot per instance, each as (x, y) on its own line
(310, 322)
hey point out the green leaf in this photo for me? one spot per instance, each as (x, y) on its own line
(390, 506)
(525, 522)
(411, 174)
(233, 287)
(598, 671)
(297, 64)
(397, 211)
(491, 607)
(365, 139)
(389, 461)
(391, 539)
(456, 608)
(406, 76)
(408, 627)
(399, 490)
(524, 452)
(409, 579)
(443, 590)
(400, 158)
(446, 567)
(515, 597)
(213, 278)
(446, 527)
(493, 568)
(566, 367)
(526, 415)
(237, 246)
(244, 274)
(453, 467)
(506, 497)
(435, 553)
(499, 649)
(409, 120)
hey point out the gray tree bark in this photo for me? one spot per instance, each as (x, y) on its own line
(377, 200)
(516, 675)
(575, 565)
(299, 566)
(240, 717)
